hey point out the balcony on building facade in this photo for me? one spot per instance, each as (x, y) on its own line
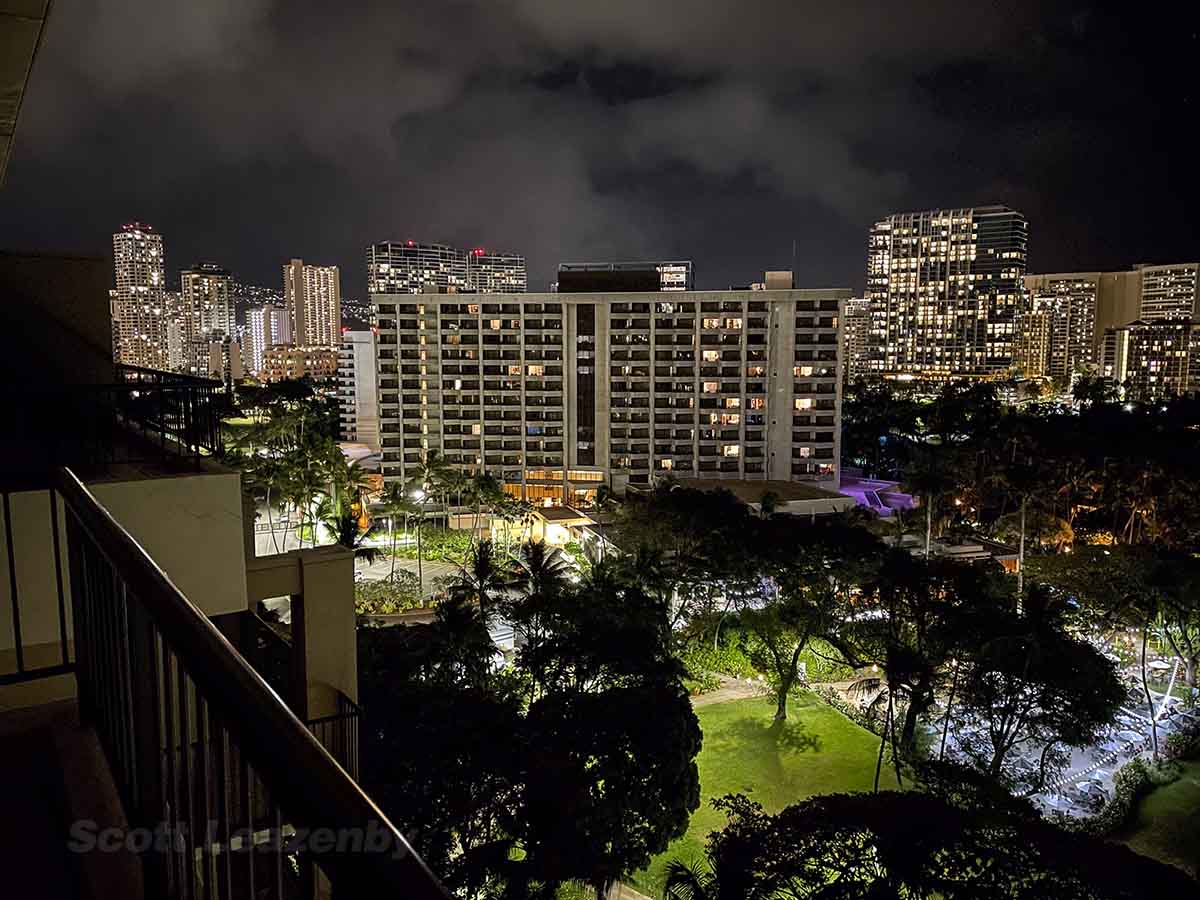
(130, 590)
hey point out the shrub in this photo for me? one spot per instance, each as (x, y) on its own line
(699, 657)
(1133, 781)
(1183, 745)
(387, 597)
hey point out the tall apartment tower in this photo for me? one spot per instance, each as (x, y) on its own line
(137, 305)
(357, 398)
(266, 327)
(206, 292)
(1153, 360)
(1069, 302)
(1170, 292)
(313, 296)
(946, 290)
(856, 330)
(412, 267)
(557, 393)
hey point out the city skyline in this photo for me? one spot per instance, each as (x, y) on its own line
(658, 147)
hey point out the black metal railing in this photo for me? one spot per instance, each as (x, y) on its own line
(338, 733)
(143, 415)
(203, 751)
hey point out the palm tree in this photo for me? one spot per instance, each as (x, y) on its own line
(930, 475)
(485, 490)
(396, 502)
(482, 577)
(342, 523)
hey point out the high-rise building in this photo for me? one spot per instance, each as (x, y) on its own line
(1069, 302)
(946, 290)
(139, 322)
(558, 393)
(491, 272)
(313, 296)
(205, 290)
(1170, 292)
(357, 398)
(266, 327)
(1032, 352)
(856, 329)
(1153, 360)
(412, 267)
(621, 277)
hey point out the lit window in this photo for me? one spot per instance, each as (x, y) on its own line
(536, 370)
(711, 355)
(805, 452)
(711, 323)
(731, 450)
(733, 402)
(494, 324)
(667, 463)
(804, 403)
(458, 384)
(757, 403)
(733, 323)
(710, 387)
(731, 418)
(473, 308)
(802, 371)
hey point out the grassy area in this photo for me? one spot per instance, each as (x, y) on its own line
(817, 751)
(1166, 825)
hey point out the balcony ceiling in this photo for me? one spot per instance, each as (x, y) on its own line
(21, 25)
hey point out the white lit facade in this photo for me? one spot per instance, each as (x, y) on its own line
(357, 399)
(137, 304)
(555, 394)
(412, 267)
(946, 291)
(313, 297)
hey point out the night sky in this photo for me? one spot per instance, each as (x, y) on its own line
(250, 131)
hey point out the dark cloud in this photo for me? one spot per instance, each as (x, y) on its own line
(249, 131)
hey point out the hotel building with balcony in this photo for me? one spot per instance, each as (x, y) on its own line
(555, 394)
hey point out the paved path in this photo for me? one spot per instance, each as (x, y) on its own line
(732, 689)
(432, 569)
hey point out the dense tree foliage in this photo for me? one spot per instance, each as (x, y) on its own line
(912, 845)
(518, 779)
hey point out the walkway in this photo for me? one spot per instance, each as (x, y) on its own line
(732, 689)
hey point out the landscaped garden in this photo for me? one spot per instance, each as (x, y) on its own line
(816, 751)
(1166, 824)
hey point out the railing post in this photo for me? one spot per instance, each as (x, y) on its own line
(80, 599)
(147, 741)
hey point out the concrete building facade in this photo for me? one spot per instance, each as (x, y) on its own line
(313, 297)
(946, 290)
(266, 327)
(410, 267)
(137, 306)
(285, 363)
(556, 394)
(1170, 292)
(856, 328)
(358, 401)
(1153, 360)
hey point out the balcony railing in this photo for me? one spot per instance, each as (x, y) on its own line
(203, 752)
(144, 415)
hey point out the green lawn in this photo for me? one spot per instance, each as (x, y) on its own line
(1166, 825)
(817, 751)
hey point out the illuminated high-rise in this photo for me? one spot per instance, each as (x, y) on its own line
(313, 296)
(946, 291)
(139, 321)
(413, 267)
